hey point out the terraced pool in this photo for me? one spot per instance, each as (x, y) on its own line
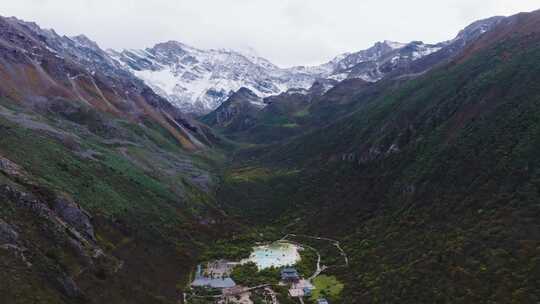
(278, 254)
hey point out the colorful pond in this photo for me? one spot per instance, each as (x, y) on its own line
(278, 254)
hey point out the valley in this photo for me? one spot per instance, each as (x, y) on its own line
(404, 173)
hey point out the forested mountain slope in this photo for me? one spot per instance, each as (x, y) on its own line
(105, 187)
(432, 184)
(429, 178)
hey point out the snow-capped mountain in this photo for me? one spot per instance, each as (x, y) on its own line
(374, 63)
(476, 29)
(40, 67)
(198, 81)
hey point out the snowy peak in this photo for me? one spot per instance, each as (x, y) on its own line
(85, 41)
(476, 29)
(394, 45)
(198, 81)
(75, 69)
(383, 57)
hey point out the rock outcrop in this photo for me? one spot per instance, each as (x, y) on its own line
(8, 235)
(74, 215)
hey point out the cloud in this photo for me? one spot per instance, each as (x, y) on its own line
(288, 32)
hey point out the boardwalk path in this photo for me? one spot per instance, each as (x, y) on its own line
(336, 243)
(272, 295)
(320, 268)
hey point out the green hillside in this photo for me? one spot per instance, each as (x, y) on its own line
(419, 188)
(150, 203)
(432, 185)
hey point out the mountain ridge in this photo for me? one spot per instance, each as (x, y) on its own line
(198, 81)
(431, 183)
(385, 61)
(429, 178)
(38, 64)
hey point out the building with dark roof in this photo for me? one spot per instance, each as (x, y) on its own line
(289, 275)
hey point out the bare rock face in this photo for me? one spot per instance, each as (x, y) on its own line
(74, 215)
(62, 206)
(62, 215)
(62, 221)
(10, 168)
(237, 112)
(69, 287)
(8, 235)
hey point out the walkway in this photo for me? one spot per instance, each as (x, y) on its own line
(272, 295)
(336, 243)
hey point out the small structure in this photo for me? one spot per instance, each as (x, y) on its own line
(296, 292)
(322, 301)
(219, 269)
(201, 280)
(289, 275)
(304, 284)
(213, 283)
(301, 288)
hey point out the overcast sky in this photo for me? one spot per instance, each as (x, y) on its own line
(288, 32)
